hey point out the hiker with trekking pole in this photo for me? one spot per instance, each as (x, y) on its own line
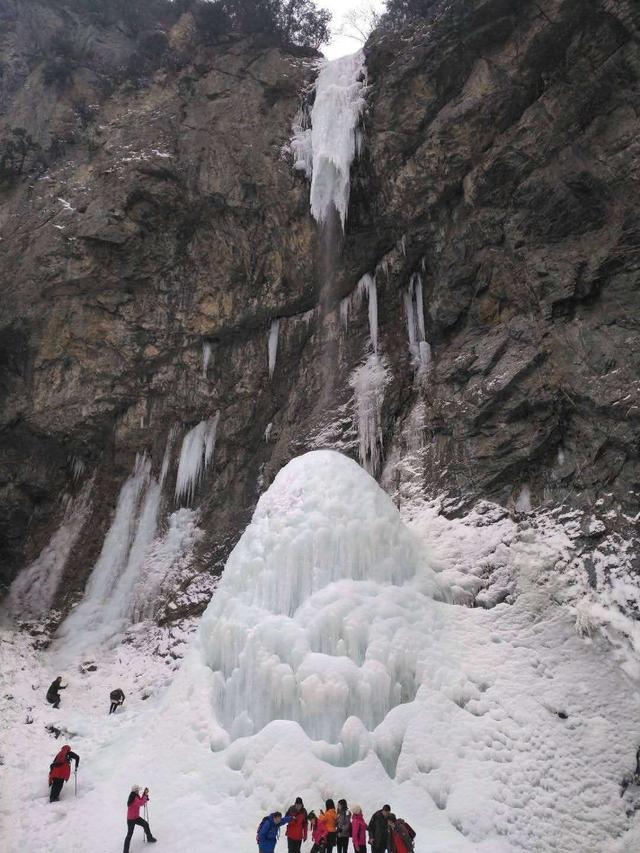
(134, 803)
(60, 772)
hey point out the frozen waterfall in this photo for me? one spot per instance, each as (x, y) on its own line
(307, 623)
(326, 150)
(196, 454)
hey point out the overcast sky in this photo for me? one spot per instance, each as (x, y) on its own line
(341, 44)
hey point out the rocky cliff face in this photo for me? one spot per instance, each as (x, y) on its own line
(156, 230)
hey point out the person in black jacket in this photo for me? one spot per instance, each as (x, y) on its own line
(117, 698)
(379, 830)
(53, 693)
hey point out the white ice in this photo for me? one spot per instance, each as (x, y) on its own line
(327, 665)
(326, 150)
(196, 454)
(273, 346)
(369, 381)
(414, 311)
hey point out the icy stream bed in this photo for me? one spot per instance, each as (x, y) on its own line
(332, 662)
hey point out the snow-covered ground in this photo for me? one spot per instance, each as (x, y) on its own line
(336, 659)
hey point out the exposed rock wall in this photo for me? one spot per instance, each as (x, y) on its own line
(501, 163)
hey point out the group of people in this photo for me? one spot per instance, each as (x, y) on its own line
(333, 827)
(60, 772)
(116, 697)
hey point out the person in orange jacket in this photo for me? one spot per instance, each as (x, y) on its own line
(329, 819)
(297, 829)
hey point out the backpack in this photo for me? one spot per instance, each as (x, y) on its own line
(260, 825)
(406, 831)
(344, 824)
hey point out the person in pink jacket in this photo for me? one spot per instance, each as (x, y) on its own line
(134, 803)
(319, 832)
(358, 830)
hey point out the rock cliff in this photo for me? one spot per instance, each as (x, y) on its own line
(155, 230)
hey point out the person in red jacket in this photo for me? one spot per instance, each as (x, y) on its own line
(297, 829)
(401, 835)
(60, 771)
(134, 803)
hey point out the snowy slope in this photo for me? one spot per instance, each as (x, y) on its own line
(331, 662)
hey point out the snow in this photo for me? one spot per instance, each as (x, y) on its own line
(369, 381)
(196, 455)
(331, 661)
(273, 346)
(326, 150)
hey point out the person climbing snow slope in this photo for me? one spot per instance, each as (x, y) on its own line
(134, 804)
(53, 693)
(117, 698)
(60, 771)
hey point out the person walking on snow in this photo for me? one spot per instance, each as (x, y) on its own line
(53, 693)
(379, 830)
(117, 698)
(401, 835)
(343, 827)
(60, 771)
(297, 829)
(269, 830)
(358, 830)
(134, 804)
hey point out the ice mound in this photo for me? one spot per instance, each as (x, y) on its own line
(311, 621)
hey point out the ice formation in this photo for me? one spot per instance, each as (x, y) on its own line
(326, 150)
(414, 309)
(106, 608)
(369, 381)
(196, 454)
(273, 345)
(207, 352)
(306, 622)
(33, 591)
(353, 302)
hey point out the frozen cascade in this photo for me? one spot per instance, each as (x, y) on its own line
(33, 591)
(106, 608)
(369, 381)
(305, 623)
(326, 150)
(273, 345)
(352, 303)
(414, 309)
(196, 454)
(206, 358)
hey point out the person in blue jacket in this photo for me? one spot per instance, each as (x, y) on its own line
(269, 830)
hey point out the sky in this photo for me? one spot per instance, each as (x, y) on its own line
(340, 45)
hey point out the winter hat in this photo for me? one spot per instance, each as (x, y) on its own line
(356, 810)
(135, 788)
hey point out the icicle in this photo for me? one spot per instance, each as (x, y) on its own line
(166, 459)
(273, 346)
(369, 382)
(326, 151)
(267, 432)
(196, 453)
(414, 309)
(206, 358)
(77, 468)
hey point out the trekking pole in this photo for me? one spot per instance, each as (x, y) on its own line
(75, 781)
(146, 817)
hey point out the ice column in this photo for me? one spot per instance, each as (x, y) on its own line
(326, 150)
(273, 345)
(414, 310)
(368, 382)
(196, 454)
